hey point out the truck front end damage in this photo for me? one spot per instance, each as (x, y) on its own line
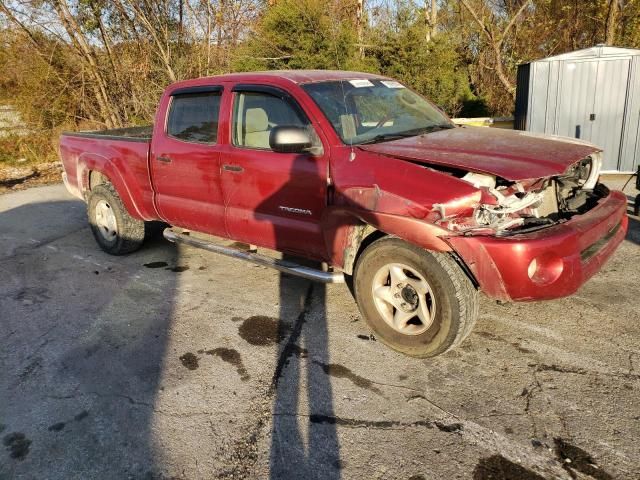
(536, 239)
(503, 208)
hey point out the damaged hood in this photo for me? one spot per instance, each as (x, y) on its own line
(512, 155)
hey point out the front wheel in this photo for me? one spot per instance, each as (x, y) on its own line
(417, 302)
(114, 229)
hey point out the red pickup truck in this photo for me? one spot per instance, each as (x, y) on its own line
(361, 173)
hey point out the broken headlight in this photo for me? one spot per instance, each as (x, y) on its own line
(494, 209)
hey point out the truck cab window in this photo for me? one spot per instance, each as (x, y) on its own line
(255, 114)
(193, 117)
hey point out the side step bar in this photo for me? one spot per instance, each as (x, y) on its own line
(281, 265)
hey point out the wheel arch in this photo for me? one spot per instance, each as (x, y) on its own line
(454, 299)
(94, 169)
(348, 233)
(97, 178)
(363, 235)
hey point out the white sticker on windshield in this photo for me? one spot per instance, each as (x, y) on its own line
(392, 84)
(361, 83)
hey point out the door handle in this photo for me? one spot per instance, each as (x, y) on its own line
(164, 159)
(233, 168)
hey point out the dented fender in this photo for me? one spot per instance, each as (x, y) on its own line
(345, 229)
(371, 204)
(88, 162)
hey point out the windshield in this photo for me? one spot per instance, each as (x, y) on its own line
(370, 111)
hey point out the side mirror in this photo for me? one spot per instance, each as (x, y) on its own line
(290, 140)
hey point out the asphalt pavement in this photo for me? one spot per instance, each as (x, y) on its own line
(176, 363)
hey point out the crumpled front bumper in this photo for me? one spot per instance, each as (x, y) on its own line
(567, 255)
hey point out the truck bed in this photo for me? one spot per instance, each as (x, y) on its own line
(119, 154)
(132, 134)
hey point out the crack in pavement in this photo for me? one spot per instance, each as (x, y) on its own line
(359, 423)
(543, 367)
(536, 387)
(244, 455)
(133, 401)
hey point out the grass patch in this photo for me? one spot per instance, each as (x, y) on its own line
(24, 150)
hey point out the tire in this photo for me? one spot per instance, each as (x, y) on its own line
(116, 232)
(441, 297)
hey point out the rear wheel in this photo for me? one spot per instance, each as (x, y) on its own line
(114, 229)
(417, 302)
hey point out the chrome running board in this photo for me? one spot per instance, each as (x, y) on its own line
(281, 265)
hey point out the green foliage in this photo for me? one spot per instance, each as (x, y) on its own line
(309, 34)
(433, 68)
(301, 34)
(136, 48)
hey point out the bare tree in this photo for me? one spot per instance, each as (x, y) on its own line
(160, 36)
(496, 37)
(431, 18)
(87, 53)
(360, 26)
(613, 13)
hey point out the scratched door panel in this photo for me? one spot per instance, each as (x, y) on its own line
(185, 163)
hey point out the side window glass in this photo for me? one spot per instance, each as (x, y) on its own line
(193, 117)
(256, 114)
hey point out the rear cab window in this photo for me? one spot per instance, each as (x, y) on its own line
(193, 115)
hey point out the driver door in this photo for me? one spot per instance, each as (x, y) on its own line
(272, 199)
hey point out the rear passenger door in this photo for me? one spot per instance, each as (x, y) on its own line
(185, 161)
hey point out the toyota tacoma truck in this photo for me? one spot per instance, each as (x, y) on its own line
(364, 176)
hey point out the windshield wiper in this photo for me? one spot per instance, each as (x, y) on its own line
(382, 137)
(435, 128)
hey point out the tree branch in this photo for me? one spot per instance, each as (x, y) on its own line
(513, 21)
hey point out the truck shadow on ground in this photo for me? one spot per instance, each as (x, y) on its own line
(301, 446)
(84, 343)
(300, 372)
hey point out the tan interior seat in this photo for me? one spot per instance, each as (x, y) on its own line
(256, 128)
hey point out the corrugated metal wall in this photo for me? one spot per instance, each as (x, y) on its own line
(630, 152)
(591, 94)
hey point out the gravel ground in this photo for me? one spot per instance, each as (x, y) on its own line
(15, 178)
(175, 363)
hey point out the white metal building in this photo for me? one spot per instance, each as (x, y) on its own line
(592, 94)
